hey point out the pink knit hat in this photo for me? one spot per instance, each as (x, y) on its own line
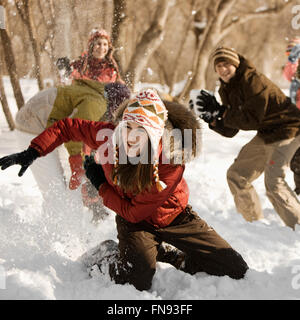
(98, 33)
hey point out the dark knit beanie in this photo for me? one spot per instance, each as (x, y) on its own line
(226, 54)
(116, 94)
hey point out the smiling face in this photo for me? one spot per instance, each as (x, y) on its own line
(100, 48)
(135, 138)
(225, 70)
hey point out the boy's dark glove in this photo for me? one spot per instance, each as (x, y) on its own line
(207, 107)
(24, 159)
(94, 171)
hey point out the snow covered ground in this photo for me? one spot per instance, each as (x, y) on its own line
(39, 252)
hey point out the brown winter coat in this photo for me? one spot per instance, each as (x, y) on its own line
(255, 103)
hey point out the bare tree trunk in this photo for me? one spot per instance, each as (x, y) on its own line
(149, 42)
(24, 12)
(119, 19)
(49, 20)
(181, 46)
(78, 29)
(162, 68)
(11, 65)
(76, 21)
(105, 17)
(63, 32)
(5, 107)
(200, 56)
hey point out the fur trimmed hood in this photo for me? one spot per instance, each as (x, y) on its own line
(182, 138)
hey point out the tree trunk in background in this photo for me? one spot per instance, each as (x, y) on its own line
(78, 31)
(11, 65)
(119, 19)
(5, 107)
(47, 43)
(63, 33)
(23, 8)
(149, 42)
(11, 68)
(105, 16)
(187, 27)
(200, 58)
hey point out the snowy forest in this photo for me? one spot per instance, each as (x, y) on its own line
(163, 44)
(166, 41)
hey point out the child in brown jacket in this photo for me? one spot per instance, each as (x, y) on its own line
(250, 101)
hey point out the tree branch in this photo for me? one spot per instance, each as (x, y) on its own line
(186, 29)
(42, 12)
(223, 10)
(149, 42)
(252, 15)
(161, 64)
(21, 11)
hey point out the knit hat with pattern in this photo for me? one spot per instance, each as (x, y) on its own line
(226, 54)
(147, 109)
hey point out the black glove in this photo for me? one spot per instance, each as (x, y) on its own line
(24, 159)
(94, 171)
(64, 64)
(208, 108)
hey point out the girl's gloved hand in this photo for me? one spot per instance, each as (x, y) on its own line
(94, 172)
(24, 159)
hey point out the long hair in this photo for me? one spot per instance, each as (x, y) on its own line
(108, 57)
(134, 178)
